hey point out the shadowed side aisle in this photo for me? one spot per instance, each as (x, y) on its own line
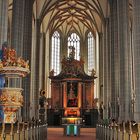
(86, 134)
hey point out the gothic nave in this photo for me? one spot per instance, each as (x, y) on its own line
(71, 66)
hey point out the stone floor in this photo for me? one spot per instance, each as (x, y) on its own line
(85, 134)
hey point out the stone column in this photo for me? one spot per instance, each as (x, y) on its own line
(17, 40)
(109, 69)
(114, 58)
(36, 66)
(21, 42)
(3, 21)
(124, 101)
(18, 26)
(46, 65)
(136, 48)
(105, 68)
(101, 66)
(27, 48)
(42, 62)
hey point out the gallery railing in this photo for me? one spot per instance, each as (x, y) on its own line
(123, 131)
(23, 131)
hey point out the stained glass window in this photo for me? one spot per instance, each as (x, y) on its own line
(74, 40)
(55, 53)
(91, 52)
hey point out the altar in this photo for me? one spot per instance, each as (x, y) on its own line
(72, 90)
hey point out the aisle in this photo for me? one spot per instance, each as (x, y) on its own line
(57, 134)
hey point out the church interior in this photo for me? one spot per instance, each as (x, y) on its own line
(70, 66)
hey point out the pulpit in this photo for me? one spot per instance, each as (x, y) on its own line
(12, 70)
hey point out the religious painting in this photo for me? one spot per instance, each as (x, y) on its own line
(72, 94)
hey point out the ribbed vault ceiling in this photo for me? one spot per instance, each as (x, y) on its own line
(72, 15)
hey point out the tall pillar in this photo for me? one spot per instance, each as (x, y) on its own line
(47, 67)
(3, 21)
(27, 48)
(114, 59)
(109, 69)
(21, 41)
(42, 62)
(101, 66)
(36, 66)
(124, 61)
(136, 48)
(18, 26)
(105, 68)
(120, 60)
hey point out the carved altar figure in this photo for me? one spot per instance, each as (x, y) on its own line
(72, 52)
(71, 94)
(93, 72)
(51, 72)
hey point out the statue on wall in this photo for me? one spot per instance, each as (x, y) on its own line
(42, 99)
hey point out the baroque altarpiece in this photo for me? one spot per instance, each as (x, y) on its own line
(72, 90)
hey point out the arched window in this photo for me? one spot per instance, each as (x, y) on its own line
(74, 40)
(55, 53)
(91, 52)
